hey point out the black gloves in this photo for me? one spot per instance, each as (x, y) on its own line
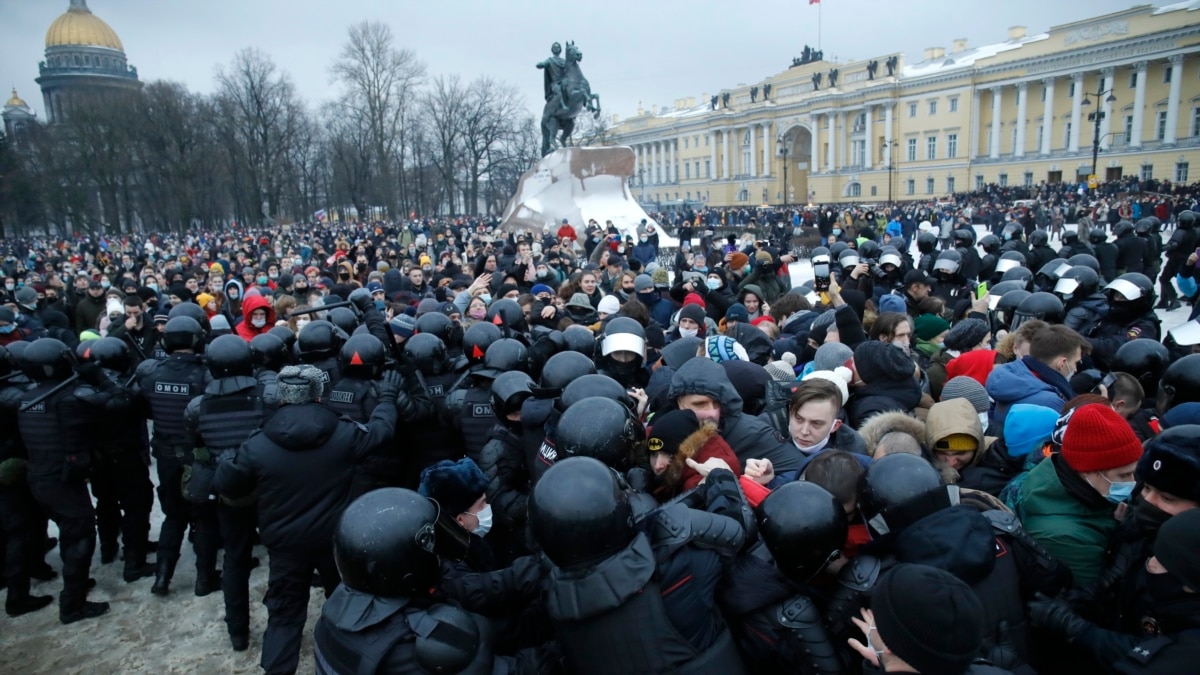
(1056, 615)
(389, 386)
(362, 299)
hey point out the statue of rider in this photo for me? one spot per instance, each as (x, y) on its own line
(555, 68)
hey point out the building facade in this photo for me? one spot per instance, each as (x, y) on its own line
(1021, 111)
(83, 54)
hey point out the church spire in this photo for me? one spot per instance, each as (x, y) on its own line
(79, 6)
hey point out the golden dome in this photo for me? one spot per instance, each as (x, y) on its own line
(15, 101)
(78, 27)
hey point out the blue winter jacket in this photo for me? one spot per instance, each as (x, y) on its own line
(1026, 381)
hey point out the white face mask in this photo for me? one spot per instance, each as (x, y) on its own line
(902, 343)
(301, 323)
(485, 521)
(258, 323)
(688, 332)
(814, 448)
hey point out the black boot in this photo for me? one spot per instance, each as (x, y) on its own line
(108, 551)
(136, 566)
(207, 582)
(240, 640)
(164, 570)
(43, 572)
(89, 610)
(30, 603)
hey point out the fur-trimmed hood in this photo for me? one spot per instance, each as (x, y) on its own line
(880, 425)
(703, 444)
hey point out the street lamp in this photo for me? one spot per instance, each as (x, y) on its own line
(1096, 117)
(782, 148)
(891, 167)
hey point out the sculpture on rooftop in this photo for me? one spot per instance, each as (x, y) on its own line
(891, 64)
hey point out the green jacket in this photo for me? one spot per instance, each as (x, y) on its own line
(1074, 532)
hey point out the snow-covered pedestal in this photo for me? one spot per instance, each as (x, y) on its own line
(579, 184)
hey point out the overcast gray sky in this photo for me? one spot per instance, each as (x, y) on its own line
(649, 50)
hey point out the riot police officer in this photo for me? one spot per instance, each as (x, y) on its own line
(362, 362)
(232, 407)
(1105, 252)
(769, 591)
(388, 615)
(168, 386)
(120, 472)
(1130, 316)
(1131, 249)
(22, 518)
(55, 436)
(657, 576)
(430, 439)
(469, 402)
(318, 344)
(1182, 243)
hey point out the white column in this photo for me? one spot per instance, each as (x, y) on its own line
(640, 157)
(814, 152)
(868, 155)
(1076, 112)
(844, 140)
(1106, 123)
(712, 157)
(1173, 99)
(671, 177)
(976, 113)
(1139, 102)
(831, 142)
(725, 151)
(1048, 116)
(1022, 97)
(654, 163)
(887, 132)
(997, 100)
(753, 168)
(767, 148)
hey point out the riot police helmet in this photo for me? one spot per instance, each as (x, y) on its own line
(948, 261)
(427, 352)
(1077, 282)
(509, 391)
(504, 355)
(926, 242)
(230, 356)
(1007, 305)
(1010, 260)
(363, 356)
(47, 359)
(1085, 259)
(319, 339)
(476, 341)
(1039, 238)
(601, 428)
(594, 385)
(1043, 306)
(269, 352)
(804, 528)
(344, 318)
(579, 514)
(564, 367)
(1180, 383)
(191, 309)
(385, 543)
(890, 482)
(436, 323)
(182, 332)
(990, 243)
(579, 339)
(1144, 359)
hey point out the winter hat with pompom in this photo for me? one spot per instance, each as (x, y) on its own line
(839, 376)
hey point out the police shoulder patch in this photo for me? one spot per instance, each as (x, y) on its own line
(1133, 333)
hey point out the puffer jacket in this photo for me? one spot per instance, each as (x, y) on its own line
(956, 416)
(1016, 382)
(1067, 517)
(749, 437)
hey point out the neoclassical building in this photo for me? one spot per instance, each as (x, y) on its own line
(1019, 111)
(83, 54)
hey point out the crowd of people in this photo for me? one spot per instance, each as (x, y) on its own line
(578, 451)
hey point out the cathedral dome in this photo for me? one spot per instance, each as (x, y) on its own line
(78, 27)
(15, 101)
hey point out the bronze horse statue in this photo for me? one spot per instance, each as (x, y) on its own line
(567, 94)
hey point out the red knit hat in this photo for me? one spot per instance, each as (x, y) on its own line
(976, 364)
(765, 317)
(1099, 439)
(694, 299)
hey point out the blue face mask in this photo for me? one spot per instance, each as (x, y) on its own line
(262, 280)
(5, 330)
(837, 231)
(1120, 491)
(487, 299)
(379, 305)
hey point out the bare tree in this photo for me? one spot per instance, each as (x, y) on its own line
(445, 111)
(258, 117)
(381, 82)
(492, 109)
